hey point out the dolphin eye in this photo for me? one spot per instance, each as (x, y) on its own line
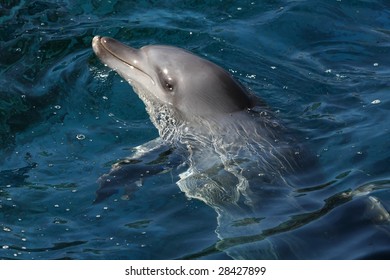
(168, 85)
(166, 81)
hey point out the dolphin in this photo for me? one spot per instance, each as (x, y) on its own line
(231, 151)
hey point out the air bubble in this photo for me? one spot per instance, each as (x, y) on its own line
(80, 136)
(7, 229)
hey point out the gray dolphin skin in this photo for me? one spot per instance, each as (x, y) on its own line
(227, 146)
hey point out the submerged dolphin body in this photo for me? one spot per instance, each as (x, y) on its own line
(237, 157)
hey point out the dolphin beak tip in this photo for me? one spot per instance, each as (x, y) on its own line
(95, 39)
(96, 42)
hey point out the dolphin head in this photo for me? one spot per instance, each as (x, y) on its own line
(174, 77)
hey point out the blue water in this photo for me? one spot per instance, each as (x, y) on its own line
(322, 66)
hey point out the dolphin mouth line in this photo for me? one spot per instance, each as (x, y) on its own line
(100, 39)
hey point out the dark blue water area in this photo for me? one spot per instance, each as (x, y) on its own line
(65, 118)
